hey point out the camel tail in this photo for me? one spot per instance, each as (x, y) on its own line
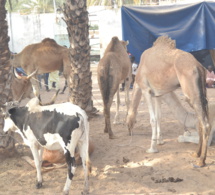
(132, 112)
(106, 83)
(203, 91)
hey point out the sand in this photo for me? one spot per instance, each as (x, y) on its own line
(120, 166)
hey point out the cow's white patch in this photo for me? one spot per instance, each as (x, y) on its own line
(23, 137)
(9, 125)
(64, 108)
(30, 135)
(54, 142)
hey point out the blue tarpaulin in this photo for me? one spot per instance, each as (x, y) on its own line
(191, 25)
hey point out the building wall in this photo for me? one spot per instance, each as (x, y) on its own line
(28, 29)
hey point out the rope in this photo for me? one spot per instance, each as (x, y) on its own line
(34, 78)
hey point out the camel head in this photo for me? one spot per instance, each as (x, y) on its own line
(124, 44)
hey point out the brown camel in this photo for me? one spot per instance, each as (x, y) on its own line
(47, 56)
(113, 69)
(162, 69)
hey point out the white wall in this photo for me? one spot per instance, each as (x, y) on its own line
(109, 25)
(27, 29)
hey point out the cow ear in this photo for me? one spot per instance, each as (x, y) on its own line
(15, 103)
(11, 104)
(4, 111)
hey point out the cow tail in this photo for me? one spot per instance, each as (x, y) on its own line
(88, 162)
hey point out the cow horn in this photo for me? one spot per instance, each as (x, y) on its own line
(32, 74)
(20, 77)
(52, 100)
(11, 104)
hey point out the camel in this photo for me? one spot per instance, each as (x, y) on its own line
(46, 56)
(186, 118)
(113, 69)
(163, 68)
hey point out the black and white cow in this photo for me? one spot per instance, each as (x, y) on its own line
(52, 127)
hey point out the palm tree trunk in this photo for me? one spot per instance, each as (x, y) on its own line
(76, 18)
(6, 142)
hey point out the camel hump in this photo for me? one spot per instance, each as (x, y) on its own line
(165, 41)
(48, 41)
(115, 39)
(116, 46)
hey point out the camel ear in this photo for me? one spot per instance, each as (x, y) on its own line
(127, 42)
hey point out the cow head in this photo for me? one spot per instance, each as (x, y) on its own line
(21, 86)
(8, 123)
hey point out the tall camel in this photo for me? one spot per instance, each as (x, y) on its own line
(113, 69)
(46, 56)
(163, 68)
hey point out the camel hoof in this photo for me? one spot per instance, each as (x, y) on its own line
(195, 154)
(152, 150)
(116, 122)
(65, 192)
(160, 142)
(84, 193)
(199, 164)
(112, 137)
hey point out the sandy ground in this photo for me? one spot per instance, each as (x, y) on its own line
(120, 166)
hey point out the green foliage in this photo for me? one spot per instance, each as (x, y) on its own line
(47, 6)
(93, 27)
(32, 6)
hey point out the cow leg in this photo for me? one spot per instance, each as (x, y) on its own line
(70, 159)
(84, 154)
(116, 118)
(153, 121)
(40, 151)
(38, 163)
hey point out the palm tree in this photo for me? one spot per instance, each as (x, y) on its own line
(6, 142)
(76, 18)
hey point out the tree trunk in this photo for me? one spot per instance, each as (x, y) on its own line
(76, 18)
(6, 142)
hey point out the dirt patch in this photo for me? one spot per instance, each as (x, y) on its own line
(120, 166)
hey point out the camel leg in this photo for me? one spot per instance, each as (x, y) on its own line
(132, 112)
(116, 118)
(204, 132)
(127, 100)
(107, 119)
(158, 116)
(194, 90)
(153, 121)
